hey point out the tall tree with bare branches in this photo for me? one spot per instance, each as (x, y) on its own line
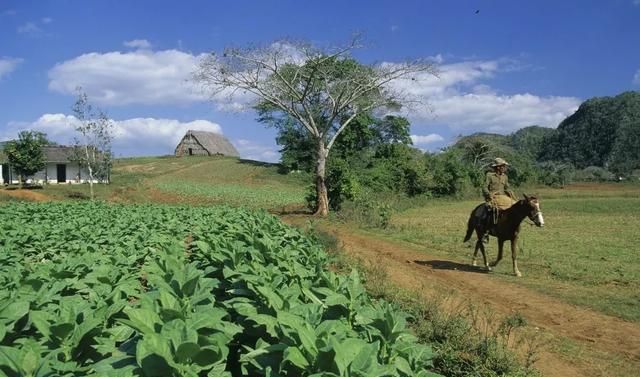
(324, 89)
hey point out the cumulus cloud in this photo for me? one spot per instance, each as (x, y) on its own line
(253, 150)
(426, 139)
(8, 65)
(461, 99)
(138, 43)
(139, 77)
(132, 137)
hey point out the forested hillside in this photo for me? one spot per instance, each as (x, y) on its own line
(604, 132)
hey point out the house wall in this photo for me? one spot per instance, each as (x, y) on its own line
(190, 142)
(74, 174)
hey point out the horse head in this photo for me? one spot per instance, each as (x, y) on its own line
(535, 214)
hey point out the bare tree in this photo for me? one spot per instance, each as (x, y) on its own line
(93, 143)
(322, 89)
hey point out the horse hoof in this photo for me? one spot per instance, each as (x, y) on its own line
(518, 274)
(488, 268)
(474, 263)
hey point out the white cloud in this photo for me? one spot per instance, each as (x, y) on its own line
(460, 99)
(252, 150)
(137, 136)
(426, 139)
(636, 77)
(47, 20)
(138, 43)
(139, 77)
(636, 2)
(8, 65)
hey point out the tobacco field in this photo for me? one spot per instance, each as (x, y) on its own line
(147, 290)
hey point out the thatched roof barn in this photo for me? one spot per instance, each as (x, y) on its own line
(203, 143)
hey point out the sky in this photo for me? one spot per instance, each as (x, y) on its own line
(503, 65)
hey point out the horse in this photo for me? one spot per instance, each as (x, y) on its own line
(506, 228)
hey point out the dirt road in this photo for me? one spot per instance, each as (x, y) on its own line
(607, 346)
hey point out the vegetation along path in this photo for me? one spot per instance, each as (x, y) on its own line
(414, 270)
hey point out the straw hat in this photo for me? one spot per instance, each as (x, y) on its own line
(499, 162)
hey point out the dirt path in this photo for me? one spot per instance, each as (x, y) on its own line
(615, 340)
(25, 194)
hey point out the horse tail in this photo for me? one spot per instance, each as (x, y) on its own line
(470, 226)
(471, 223)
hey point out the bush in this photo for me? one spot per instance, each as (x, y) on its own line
(594, 174)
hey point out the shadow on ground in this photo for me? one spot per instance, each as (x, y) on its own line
(449, 265)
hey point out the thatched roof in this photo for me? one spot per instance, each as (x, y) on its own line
(214, 143)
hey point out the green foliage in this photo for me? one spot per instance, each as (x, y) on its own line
(185, 292)
(25, 155)
(602, 130)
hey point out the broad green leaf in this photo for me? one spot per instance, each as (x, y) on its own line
(15, 310)
(295, 357)
(186, 352)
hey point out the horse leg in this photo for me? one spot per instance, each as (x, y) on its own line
(484, 256)
(499, 257)
(513, 258)
(475, 252)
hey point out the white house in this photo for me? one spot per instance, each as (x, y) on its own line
(59, 168)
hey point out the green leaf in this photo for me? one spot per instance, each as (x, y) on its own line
(10, 357)
(3, 331)
(30, 357)
(62, 330)
(142, 320)
(186, 352)
(293, 355)
(40, 321)
(15, 310)
(403, 366)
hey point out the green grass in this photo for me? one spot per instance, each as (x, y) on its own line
(586, 254)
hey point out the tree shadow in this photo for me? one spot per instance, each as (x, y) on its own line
(258, 163)
(25, 187)
(449, 265)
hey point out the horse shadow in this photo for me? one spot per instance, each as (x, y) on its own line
(449, 265)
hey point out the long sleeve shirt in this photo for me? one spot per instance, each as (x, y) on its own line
(495, 184)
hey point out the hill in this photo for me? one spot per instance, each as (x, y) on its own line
(604, 132)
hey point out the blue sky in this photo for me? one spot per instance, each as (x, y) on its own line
(504, 64)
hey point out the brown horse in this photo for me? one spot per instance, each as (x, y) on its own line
(506, 228)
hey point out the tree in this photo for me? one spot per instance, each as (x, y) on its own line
(25, 154)
(93, 143)
(324, 90)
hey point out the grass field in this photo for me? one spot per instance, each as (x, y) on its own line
(586, 254)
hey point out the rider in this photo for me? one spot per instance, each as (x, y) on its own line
(496, 191)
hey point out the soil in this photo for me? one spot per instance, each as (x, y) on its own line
(26, 194)
(410, 269)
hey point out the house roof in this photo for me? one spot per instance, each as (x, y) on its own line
(214, 143)
(52, 153)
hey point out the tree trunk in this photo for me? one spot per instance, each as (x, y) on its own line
(90, 182)
(321, 187)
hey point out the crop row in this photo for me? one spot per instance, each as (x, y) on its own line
(105, 290)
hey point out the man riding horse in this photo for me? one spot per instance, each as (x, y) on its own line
(496, 193)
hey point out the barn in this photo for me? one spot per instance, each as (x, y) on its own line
(203, 143)
(59, 168)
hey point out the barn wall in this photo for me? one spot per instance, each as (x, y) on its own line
(189, 142)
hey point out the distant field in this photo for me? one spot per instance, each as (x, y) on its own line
(586, 254)
(195, 180)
